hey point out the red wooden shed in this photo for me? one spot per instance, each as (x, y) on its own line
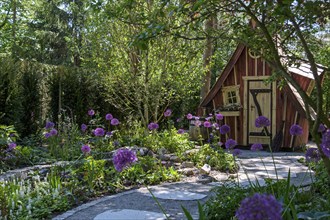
(241, 94)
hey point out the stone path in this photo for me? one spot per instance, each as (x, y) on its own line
(139, 204)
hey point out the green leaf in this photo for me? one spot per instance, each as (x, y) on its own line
(187, 213)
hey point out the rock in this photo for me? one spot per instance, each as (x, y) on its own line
(187, 171)
(143, 151)
(205, 179)
(191, 152)
(175, 159)
(187, 164)
(206, 169)
(164, 157)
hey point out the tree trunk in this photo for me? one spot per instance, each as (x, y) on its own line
(208, 52)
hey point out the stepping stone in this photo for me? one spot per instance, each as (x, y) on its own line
(177, 195)
(125, 214)
(278, 166)
(272, 174)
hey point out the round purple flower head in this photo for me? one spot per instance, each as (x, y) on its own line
(168, 113)
(99, 132)
(322, 128)
(312, 155)
(189, 116)
(123, 158)
(259, 207)
(114, 121)
(236, 152)
(91, 112)
(262, 121)
(198, 123)
(219, 116)
(109, 133)
(83, 127)
(325, 144)
(296, 130)
(53, 132)
(180, 131)
(224, 129)
(207, 124)
(230, 143)
(108, 117)
(49, 125)
(85, 149)
(48, 135)
(12, 145)
(256, 147)
(153, 126)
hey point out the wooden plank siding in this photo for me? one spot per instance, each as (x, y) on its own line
(240, 70)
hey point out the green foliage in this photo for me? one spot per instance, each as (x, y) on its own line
(225, 202)
(218, 159)
(148, 171)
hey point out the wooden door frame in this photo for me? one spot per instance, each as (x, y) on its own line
(245, 107)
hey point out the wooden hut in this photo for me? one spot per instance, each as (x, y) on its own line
(241, 94)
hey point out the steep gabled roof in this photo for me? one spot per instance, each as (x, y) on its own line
(304, 69)
(230, 65)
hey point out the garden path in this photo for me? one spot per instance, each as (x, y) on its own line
(139, 204)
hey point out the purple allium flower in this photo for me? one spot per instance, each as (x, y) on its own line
(168, 113)
(236, 152)
(53, 132)
(91, 112)
(83, 127)
(180, 131)
(198, 123)
(123, 158)
(85, 149)
(189, 116)
(114, 121)
(325, 144)
(99, 132)
(12, 145)
(224, 129)
(220, 143)
(153, 126)
(230, 143)
(109, 133)
(312, 155)
(259, 207)
(322, 128)
(108, 117)
(48, 135)
(262, 121)
(219, 116)
(256, 147)
(116, 143)
(296, 130)
(207, 124)
(208, 118)
(49, 125)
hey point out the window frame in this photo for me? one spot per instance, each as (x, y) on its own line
(227, 93)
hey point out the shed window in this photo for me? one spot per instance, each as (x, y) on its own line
(231, 95)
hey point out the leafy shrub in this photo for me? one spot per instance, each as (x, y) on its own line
(225, 201)
(218, 159)
(148, 170)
